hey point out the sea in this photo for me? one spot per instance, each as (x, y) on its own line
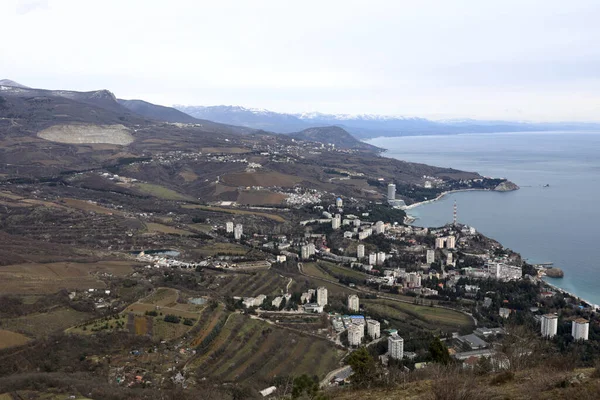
(553, 217)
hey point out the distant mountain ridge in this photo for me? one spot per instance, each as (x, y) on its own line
(333, 135)
(157, 112)
(368, 126)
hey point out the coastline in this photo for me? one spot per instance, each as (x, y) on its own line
(414, 205)
(544, 282)
(563, 291)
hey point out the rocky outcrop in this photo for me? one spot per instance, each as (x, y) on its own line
(555, 273)
(506, 186)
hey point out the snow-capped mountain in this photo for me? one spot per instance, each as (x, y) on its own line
(365, 126)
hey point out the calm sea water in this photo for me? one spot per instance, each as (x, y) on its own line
(559, 223)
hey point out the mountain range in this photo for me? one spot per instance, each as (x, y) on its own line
(369, 126)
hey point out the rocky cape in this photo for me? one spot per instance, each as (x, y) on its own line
(506, 186)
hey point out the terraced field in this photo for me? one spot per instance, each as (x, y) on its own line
(432, 318)
(262, 282)
(334, 269)
(252, 349)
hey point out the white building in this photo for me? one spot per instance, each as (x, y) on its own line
(549, 325)
(449, 259)
(365, 233)
(360, 251)
(313, 307)
(307, 250)
(238, 231)
(229, 227)
(281, 258)
(448, 242)
(505, 272)
(580, 329)
(353, 304)
(379, 227)
(396, 347)
(391, 194)
(413, 280)
(372, 259)
(336, 221)
(373, 329)
(430, 256)
(380, 258)
(339, 202)
(355, 334)
(322, 296)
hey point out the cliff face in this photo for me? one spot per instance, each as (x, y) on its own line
(506, 186)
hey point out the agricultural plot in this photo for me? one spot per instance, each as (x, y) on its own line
(336, 270)
(249, 349)
(40, 325)
(252, 284)
(154, 227)
(220, 248)
(431, 318)
(50, 278)
(274, 217)
(11, 339)
(262, 178)
(260, 197)
(161, 192)
(160, 315)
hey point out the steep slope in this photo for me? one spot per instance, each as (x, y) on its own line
(333, 135)
(156, 112)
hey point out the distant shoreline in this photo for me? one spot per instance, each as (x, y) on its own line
(594, 306)
(414, 205)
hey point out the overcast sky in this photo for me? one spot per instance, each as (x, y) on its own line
(535, 60)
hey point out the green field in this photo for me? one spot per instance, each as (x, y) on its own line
(249, 349)
(431, 318)
(41, 325)
(344, 271)
(161, 192)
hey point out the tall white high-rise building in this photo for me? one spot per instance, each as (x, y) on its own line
(391, 192)
(379, 227)
(450, 242)
(549, 325)
(353, 303)
(396, 347)
(229, 227)
(238, 231)
(372, 259)
(336, 221)
(449, 259)
(322, 296)
(360, 251)
(430, 256)
(381, 258)
(580, 329)
(355, 334)
(373, 329)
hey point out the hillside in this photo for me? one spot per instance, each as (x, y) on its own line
(156, 112)
(333, 135)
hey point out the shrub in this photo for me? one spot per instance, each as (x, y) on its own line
(174, 319)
